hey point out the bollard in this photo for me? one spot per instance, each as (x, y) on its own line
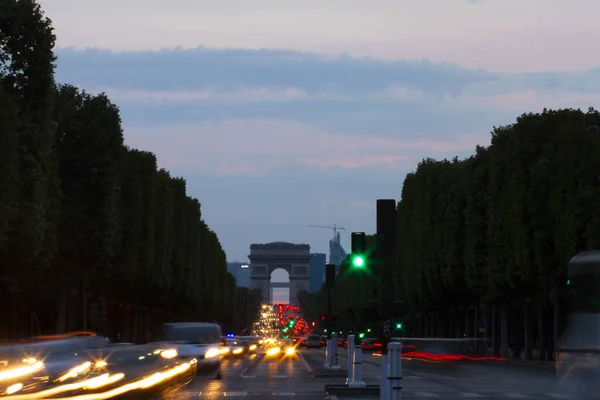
(384, 385)
(327, 364)
(334, 353)
(350, 377)
(357, 381)
(395, 371)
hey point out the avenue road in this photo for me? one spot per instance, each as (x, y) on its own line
(300, 378)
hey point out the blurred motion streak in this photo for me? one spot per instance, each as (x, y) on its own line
(21, 371)
(93, 383)
(106, 379)
(75, 371)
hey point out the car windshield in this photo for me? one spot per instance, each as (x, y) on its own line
(195, 335)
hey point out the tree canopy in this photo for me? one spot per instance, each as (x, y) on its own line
(484, 241)
(93, 234)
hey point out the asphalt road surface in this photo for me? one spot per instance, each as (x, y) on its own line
(460, 380)
(257, 377)
(301, 378)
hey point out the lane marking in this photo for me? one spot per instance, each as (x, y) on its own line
(308, 368)
(253, 363)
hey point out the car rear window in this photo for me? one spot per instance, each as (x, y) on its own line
(314, 338)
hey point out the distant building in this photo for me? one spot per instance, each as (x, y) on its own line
(317, 271)
(243, 278)
(241, 273)
(336, 252)
(293, 258)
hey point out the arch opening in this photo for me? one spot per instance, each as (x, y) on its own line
(280, 286)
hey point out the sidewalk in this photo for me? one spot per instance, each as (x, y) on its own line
(546, 366)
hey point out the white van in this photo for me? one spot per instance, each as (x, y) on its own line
(201, 340)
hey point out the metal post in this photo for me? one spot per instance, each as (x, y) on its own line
(334, 358)
(329, 313)
(384, 390)
(328, 348)
(395, 371)
(327, 364)
(350, 378)
(357, 364)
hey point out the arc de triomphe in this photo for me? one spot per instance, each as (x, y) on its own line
(266, 258)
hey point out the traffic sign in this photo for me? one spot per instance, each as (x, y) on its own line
(386, 328)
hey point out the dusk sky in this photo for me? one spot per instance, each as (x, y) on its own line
(286, 113)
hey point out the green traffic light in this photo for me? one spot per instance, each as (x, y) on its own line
(399, 325)
(358, 261)
(362, 335)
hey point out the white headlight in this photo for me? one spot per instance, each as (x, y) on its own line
(168, 354)
(212, 353)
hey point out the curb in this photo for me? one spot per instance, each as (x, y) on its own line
(343, 390)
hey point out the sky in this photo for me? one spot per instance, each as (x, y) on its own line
(283, 113)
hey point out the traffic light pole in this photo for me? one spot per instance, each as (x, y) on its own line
(386, 235)
(359, 316)
(329, 313)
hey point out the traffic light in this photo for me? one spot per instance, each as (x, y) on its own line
(323, 317)
(399, 325)
(358, 259)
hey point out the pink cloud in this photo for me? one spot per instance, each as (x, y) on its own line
(245, 94)
(254, 146)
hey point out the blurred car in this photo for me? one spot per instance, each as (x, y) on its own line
(251, 343)
(368, 344)
(282, 347)
(313, 342)
(201, 340)
(237, 348)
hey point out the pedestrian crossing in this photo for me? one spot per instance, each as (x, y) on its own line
(216, 395)
(405, 395)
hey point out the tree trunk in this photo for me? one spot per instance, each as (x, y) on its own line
(541, 336)
(61, 312)
(504, 349)
(527, 332)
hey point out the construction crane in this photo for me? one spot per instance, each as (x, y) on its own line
(334, 227)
